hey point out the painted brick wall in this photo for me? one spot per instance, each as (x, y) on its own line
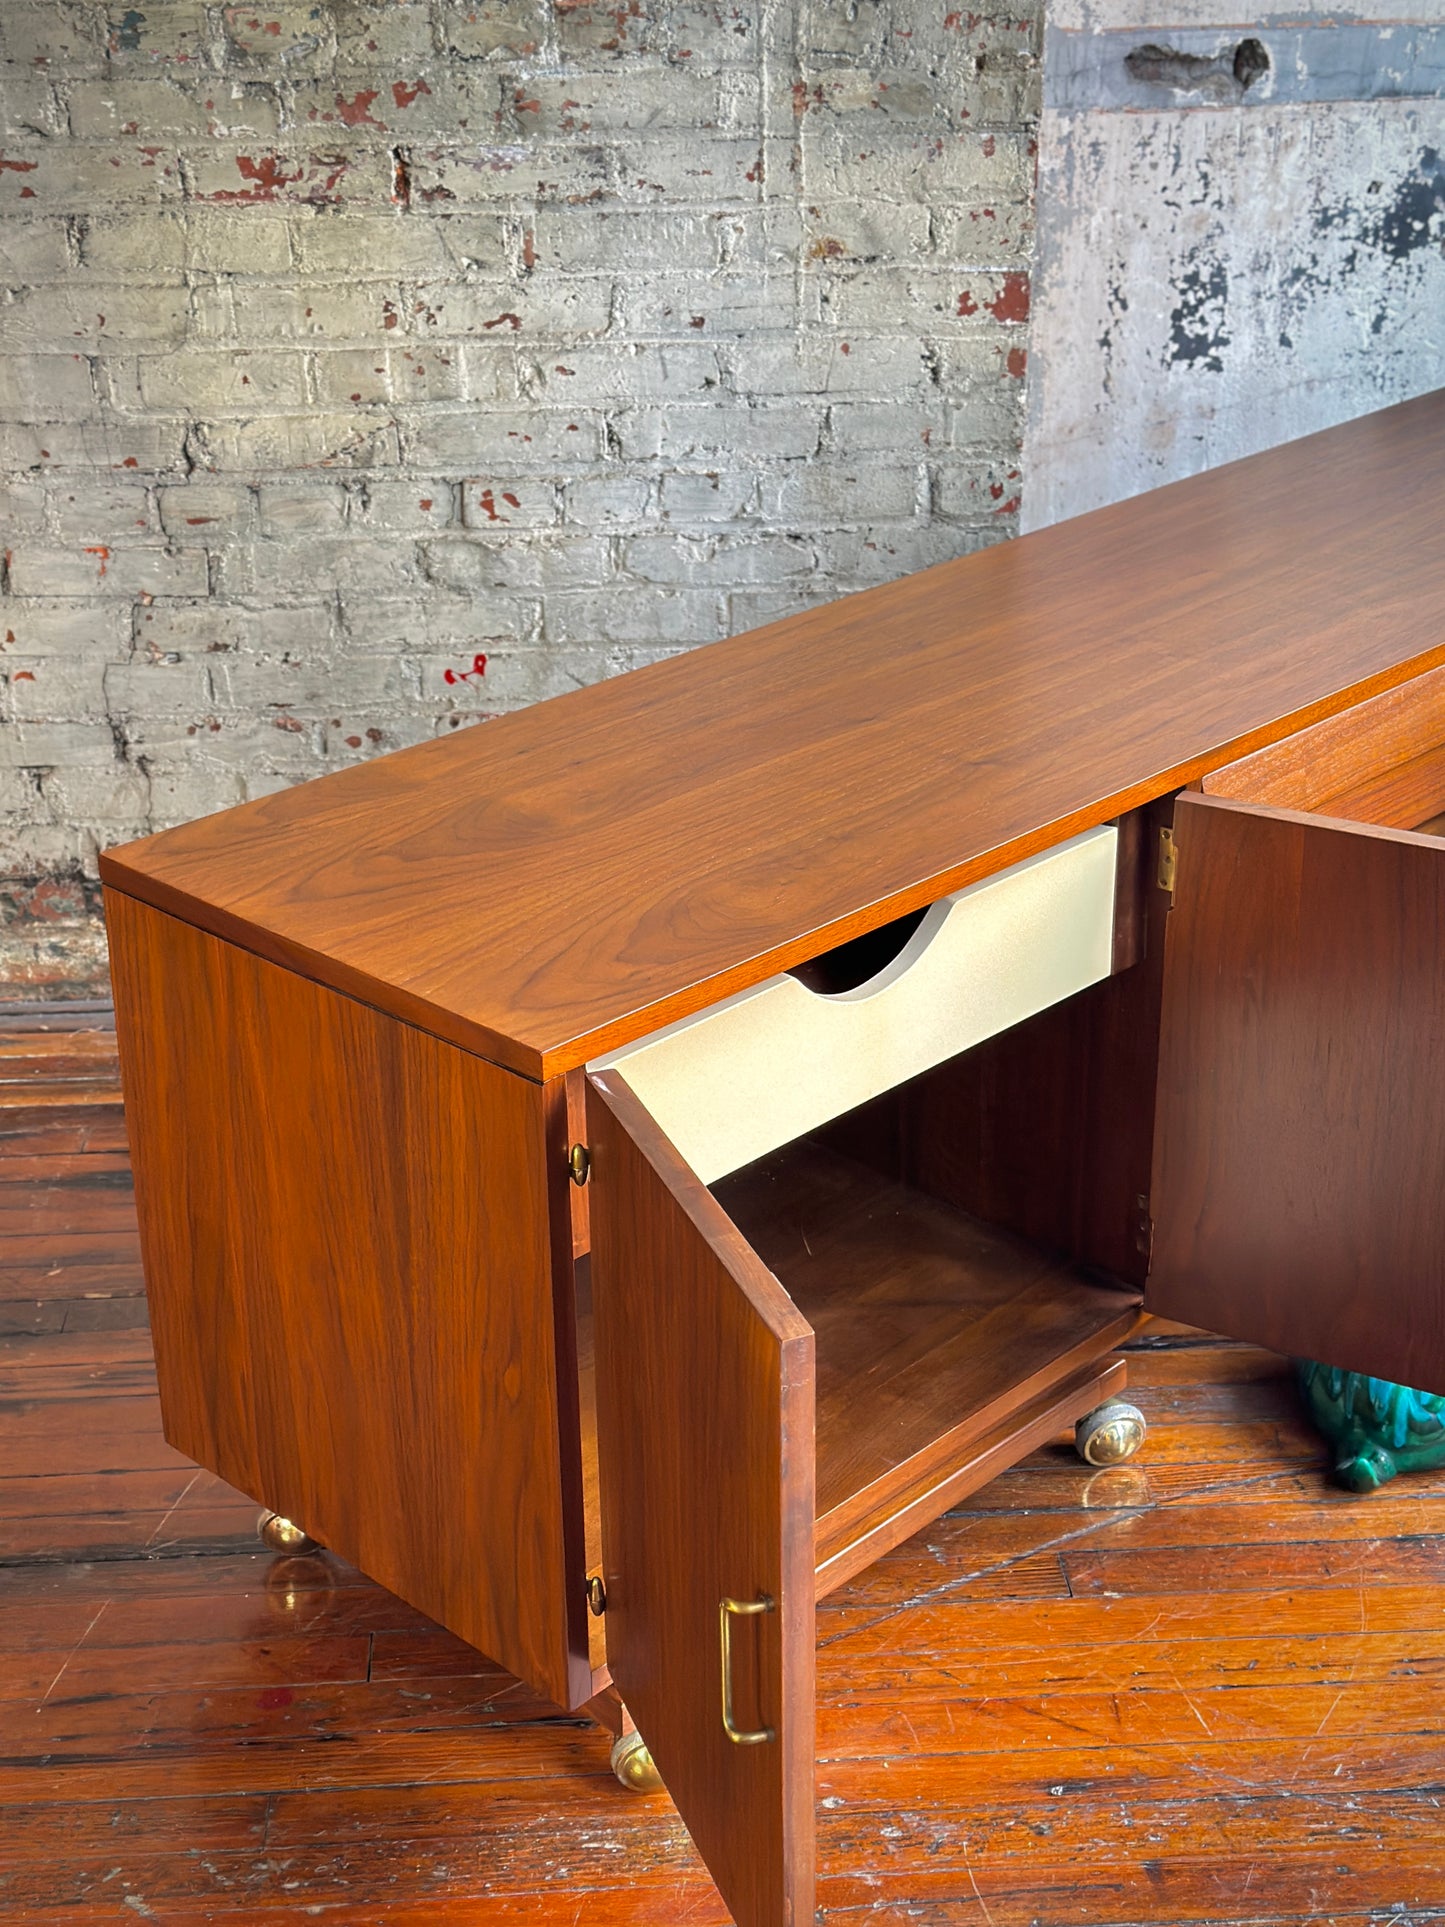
(370, 370)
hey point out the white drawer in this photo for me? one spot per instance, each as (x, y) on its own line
(764, 1067)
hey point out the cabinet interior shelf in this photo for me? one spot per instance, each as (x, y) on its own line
(936, 1335)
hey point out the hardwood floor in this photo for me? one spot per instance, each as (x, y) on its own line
(1204, 1687)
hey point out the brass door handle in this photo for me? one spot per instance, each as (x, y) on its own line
(741, 1609)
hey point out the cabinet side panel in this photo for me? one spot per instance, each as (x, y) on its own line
(345, 1230)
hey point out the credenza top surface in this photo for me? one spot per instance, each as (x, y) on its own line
(562, 880)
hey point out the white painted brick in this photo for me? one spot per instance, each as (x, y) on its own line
(589, 240)
(387, 245)
(480, 28)
(238, 241)
(39, 689)
(113, 510)
(372, 39)
(552, 559)
(640, 99)
(60, 178)
(701, 307)
(61, 39)
(827, 493)
(629, 371)
(708, 497)
(46, 387)
(723, 560)
(119, 244)
(437, 621)
(51, 745)
(296, 38)
(620, 615)
(410, 371)
(22, 507)
(326, 312)
(405, 507)
(514, 440)
(280, 570)
(511, 502)
(550, 306)
(154, 689)
(64, 630)
(145, 446)
(199, 382)
(306, 509)
(96, 316)
(33, 250)
(606, 499)
(311, 685)
(138, 109)
(730, 429)
(179, 31)
(837, 230)
(509, 171)
(206, 512)
(118, 799)
(181, 791)
(28, 106)
(300, 441)
(104, 570)
(962, 166)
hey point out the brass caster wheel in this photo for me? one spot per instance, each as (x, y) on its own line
(282, 1535)
(632, 1763)
(1111, 1433)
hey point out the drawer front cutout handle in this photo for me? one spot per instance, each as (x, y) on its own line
(740, 1609)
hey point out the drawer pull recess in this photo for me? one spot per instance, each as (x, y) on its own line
(741, 1609)
(769, 1064)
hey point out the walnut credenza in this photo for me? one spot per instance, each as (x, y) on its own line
(612, 1173)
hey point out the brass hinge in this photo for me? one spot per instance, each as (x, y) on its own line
(1143, 1228)
(1168, 862)
(596, 1596)
(579, 1163)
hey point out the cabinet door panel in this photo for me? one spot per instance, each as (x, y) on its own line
(1299, 1166)
(705, 1388)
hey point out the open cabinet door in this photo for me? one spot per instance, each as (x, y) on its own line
(705, 1389)
(1298, 1193)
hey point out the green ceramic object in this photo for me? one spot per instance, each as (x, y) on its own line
(1378, 1429)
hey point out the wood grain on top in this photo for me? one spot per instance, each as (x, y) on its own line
(563, 880)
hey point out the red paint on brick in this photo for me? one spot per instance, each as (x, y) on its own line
(17, 167)
(966, 303)
(404, 95)
(514, 321)
(1010, 507)
(1018, 361)
(23, 675)
(268, 175)
(104, 554)
(1012, 303)
(357, 111)
(478, 668)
